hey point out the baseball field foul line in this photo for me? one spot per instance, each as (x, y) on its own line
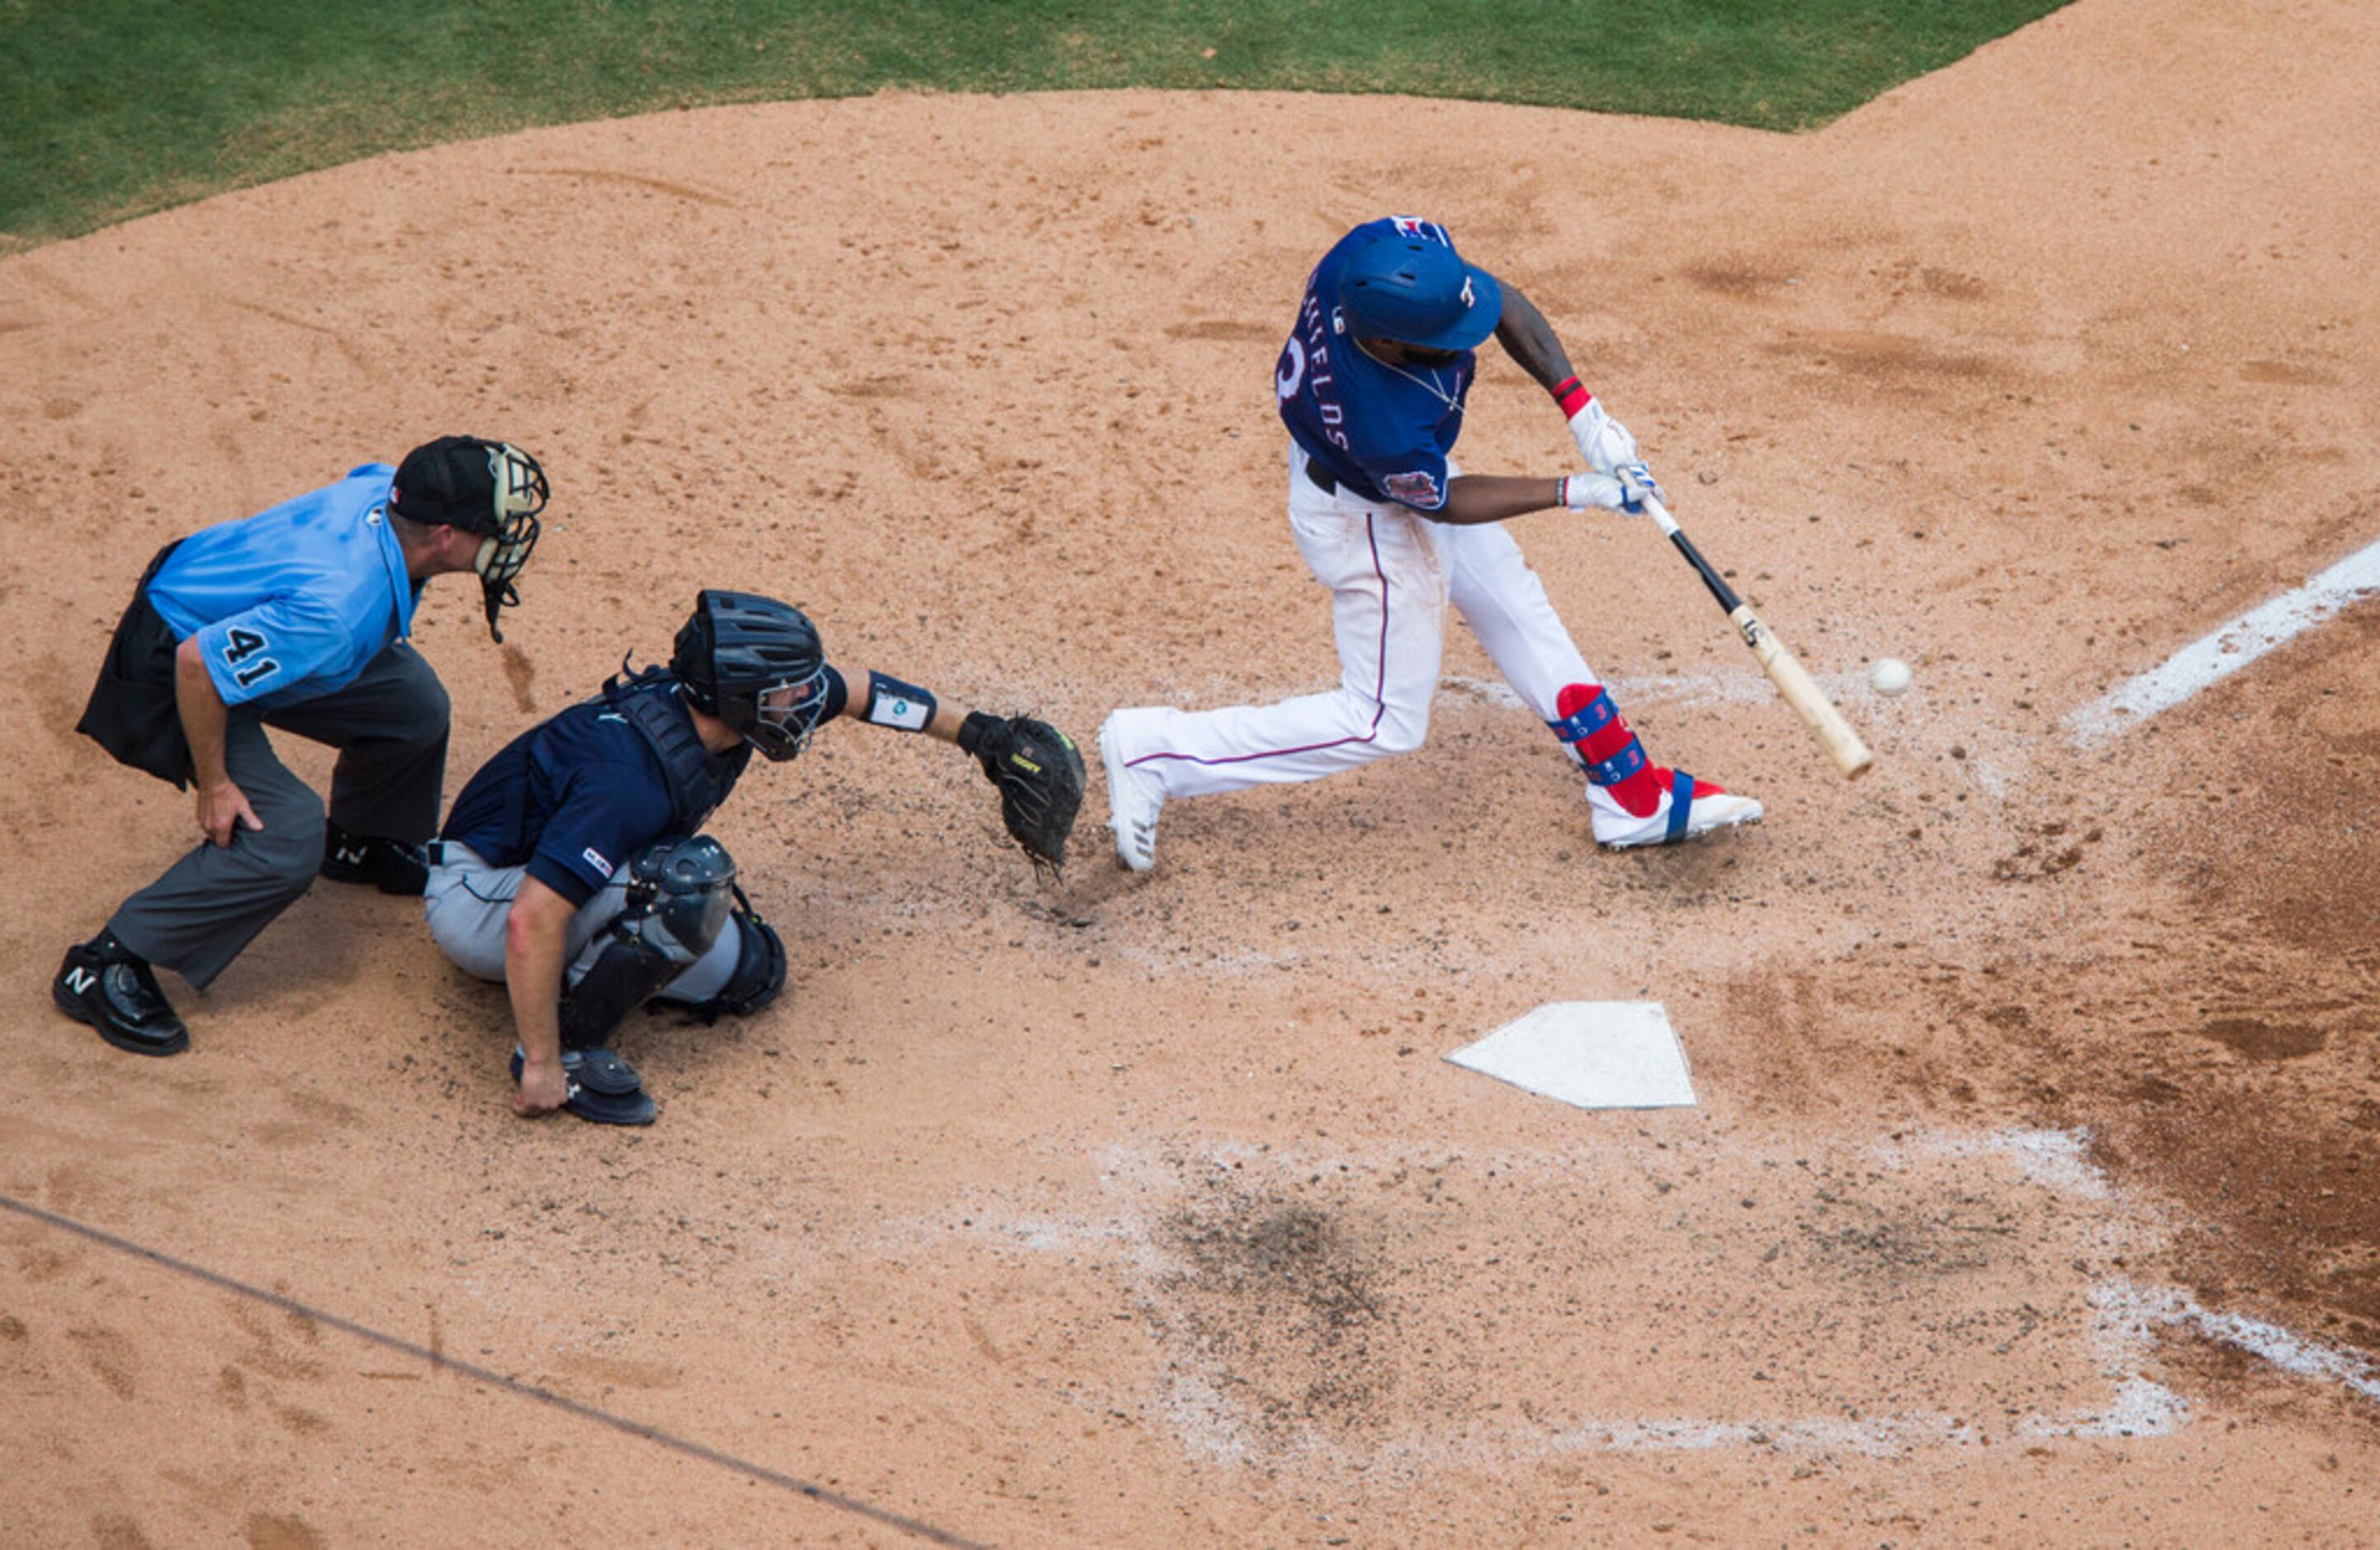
(816, 1493)
(2230, 648)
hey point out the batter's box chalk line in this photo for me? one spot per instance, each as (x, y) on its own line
(2124, 1320)
(2230, 647)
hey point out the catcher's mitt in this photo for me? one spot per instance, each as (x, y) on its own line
(1040, 773)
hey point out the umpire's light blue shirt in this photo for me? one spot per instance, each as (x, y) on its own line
(292, 603)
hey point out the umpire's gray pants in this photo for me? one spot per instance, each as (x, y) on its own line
(468, 901)
(390, 728)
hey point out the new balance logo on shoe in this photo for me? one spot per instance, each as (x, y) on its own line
(104, 986)
(391, 866)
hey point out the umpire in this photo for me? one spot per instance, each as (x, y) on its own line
(573, 868)
(295, 619)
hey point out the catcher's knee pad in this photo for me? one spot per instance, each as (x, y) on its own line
(759, 976)
(679, 896)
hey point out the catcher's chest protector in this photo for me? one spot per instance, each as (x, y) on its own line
(698, 781)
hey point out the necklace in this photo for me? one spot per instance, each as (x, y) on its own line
(1451, 400)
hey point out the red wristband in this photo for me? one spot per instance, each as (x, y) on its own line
(1572, 397)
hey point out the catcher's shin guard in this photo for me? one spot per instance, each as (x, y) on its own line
(759, 976)
(679, 895)
(623, 977)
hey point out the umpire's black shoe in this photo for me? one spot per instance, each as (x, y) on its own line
(110, 987)
(391, 866)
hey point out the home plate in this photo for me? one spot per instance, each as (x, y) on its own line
(1594, 1054)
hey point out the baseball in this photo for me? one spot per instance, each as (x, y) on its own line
(1889, 676)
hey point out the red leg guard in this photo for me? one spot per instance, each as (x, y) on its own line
(1638, 794)
(1639, 791)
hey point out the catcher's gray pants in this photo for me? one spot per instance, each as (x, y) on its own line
(468, 901)
(390, 728)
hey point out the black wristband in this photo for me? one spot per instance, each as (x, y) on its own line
(902, 707)
(971, 730)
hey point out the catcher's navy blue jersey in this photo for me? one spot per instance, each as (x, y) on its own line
(1382, 431)
(575, 797)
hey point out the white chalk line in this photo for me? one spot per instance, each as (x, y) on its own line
(2057, 1160)
(2127, 1318)
(2231, 646)
(2285, 1349)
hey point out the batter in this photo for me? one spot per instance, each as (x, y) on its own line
(1372, 386)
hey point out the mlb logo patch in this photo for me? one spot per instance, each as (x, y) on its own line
(594, 858)
(1413, 489)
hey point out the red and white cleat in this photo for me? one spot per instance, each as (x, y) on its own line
(1630, 800)
(1688, 809)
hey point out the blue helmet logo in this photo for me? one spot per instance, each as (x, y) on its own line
(1418, 291)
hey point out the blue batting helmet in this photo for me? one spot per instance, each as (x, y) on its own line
(1417, 292)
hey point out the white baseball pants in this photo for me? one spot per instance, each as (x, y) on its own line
(1390, 573)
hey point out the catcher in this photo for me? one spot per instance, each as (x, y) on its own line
(573, 866)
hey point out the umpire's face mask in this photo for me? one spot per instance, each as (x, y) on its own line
(521, 493)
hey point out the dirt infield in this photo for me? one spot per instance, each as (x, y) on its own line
(2030, 1198)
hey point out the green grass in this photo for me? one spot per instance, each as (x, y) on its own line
(112, 108)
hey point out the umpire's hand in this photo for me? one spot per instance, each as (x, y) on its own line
(223, 806)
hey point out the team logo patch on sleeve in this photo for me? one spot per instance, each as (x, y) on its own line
(594, 858)
(1418, 489)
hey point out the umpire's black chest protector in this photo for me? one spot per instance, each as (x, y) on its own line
(698, 780)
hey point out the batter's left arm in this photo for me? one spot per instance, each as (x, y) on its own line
(1473, 498)
(1531, 341)
(1606, 444)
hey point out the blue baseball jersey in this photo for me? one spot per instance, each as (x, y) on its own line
(574, 798)
(293, 602)
(1382, 431)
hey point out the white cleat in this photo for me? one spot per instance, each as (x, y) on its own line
(1133, 802)
(1708, 810)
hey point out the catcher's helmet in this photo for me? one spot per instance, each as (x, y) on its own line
(1418, 291)
(490, 488)
(757, 664)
